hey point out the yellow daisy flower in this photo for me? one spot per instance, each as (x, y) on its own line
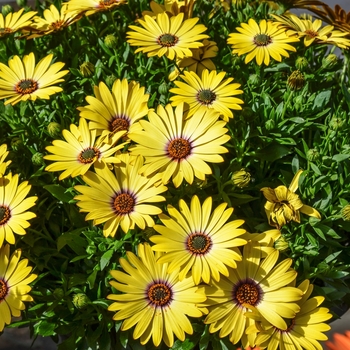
(312, 31)
(209, 91)
(13, 208)
(283, 205)
(15, 277)
(22, 80)
(153, 300)
(255, 285)
(3, 154)
(81, 149)
(260, 41)
(172, 8)
(198, 240)
(121, 197)
(304, 331)
(118, 110)
(177, 148)
(89, 7)
(14, 22)
(172, 37)
(53, 21)
(200, 60)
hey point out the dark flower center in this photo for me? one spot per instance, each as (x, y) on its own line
(57, 25)
(247, 292)
(124, 203)
(5, 215)
(3, 290)
(179, 148)
(118, 124)
(206, 97)
(159, 294)
(199, 243)
(104, 3)
(89, 155)
(262, 40)
(26, 86)
(167, 40)
(311, 33)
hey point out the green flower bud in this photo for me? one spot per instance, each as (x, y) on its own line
(296, 80)
(58, 293)
(21, 3)
(110, 80)
(270, 124)
(281, 244)
(301, 63)
(345, 213)
(54, 129)
(16, 143)
(111, 41)
(6, 9)
(329, 61)
(87, 69)
(163, 88)
(312, 154)
(80, 300)
(241, 178)
(38, 158)
(336, 123)
(254, 80)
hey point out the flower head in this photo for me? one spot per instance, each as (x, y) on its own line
(153, 300)
(283, 205)
(199, 240)
(177, 148)
(3, 154)
(340, 341)
(23, 80)
(89, 7)
(241, 178)
(120, 198)
(209, 91)
(171, 37)
(15, 277)
(81, 150)
(14, 22)
(116, 110)
(256, 285)
(13, 208)
(171, 8)
(260, 41)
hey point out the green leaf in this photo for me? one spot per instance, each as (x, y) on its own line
(105, 258)
(340, 157)
(59, 192)
(183, 345)
(273, 151)
(45, 328)
(322, 99)
(91, 279)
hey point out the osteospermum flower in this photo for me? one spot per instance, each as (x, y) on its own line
(171, 37)
(118, 110)
(255, 285)
(153, 300)
(199, 240)
(261, 41)
(15, 277)
(209, 91)
(304, 331)
(23, 80)
(81, 150)
(53, 21)
(120, 198)
(89, 7)
(172, 8)
(3, 154)
(15, 21)
(283, 205)
(177, 148)
(13, 208)
(340, 341)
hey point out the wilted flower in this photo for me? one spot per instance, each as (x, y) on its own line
(296, 80)
(345, 212)
(283, 205)
(87, 69)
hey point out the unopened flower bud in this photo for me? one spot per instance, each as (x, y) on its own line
(38, 158)
(301, 63)
(163, 88)
(270, 124)
(16, 143)
(336, 123)
(312, 154)
(110, 80)
(241, 178)
(80, 300)
(254, 80)
(296, 80)
(6, 9)
(329, 61)
(87, 69)
(21, 3)
(54, 129)
(345, 213)
(281, 244)
(111, 41)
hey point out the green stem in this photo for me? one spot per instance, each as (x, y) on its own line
(286, 104)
